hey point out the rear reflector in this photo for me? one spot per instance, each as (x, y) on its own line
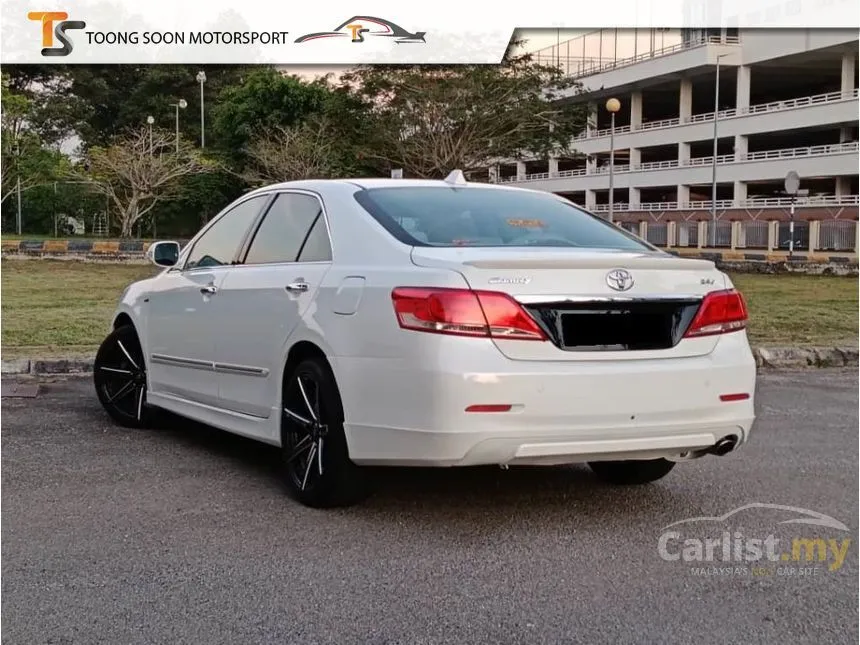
(719, 313)
(740, 396)
(489, 408)
(463, 312)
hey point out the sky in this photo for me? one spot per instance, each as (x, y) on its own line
(535, 39)
(594, 45)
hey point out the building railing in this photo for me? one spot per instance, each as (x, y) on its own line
(773, 106)
(724, 204)
(762, 155)
(826, 235)
(590, 66)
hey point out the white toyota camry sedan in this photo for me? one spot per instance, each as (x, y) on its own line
(380, 322)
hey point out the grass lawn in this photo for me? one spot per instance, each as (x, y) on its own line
(54, 307)
(800, 309)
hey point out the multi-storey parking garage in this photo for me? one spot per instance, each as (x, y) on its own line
(787, 101)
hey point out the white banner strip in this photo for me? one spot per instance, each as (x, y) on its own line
(262, 31)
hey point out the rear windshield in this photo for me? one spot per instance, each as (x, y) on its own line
(474, 216)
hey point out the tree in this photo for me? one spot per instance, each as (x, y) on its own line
(304, 151)
(430, 120)
(53, 111)
(25, 163)
(139, 170)
(266, 99)
(99, 102)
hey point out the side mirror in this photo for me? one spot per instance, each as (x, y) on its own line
(164, 254)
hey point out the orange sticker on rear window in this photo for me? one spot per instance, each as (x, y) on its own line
(526, 223)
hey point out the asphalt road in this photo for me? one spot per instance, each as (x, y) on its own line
(184, 535)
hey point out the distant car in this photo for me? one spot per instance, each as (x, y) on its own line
(70, 225)
(433, 323)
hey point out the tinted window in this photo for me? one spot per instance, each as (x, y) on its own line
(285, 229)
(219, 244)
(317, 247)
(475, 216)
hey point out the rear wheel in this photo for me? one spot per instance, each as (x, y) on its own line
(632, 472)
(317, 467)
(119, 373)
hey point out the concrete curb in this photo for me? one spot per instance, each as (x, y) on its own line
(765, 357)
(46, 366)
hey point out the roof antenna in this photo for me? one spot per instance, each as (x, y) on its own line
(456, 178)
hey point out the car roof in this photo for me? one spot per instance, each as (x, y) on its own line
(366, 183)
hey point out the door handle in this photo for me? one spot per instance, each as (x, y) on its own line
(209, 290)
(298, 287)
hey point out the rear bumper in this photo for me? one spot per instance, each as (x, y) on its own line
(402, 414)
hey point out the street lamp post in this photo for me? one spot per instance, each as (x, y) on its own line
(201, 78)
(149, 121)
(612, 106)
(714, 158)
(792, 187)
(181, 104)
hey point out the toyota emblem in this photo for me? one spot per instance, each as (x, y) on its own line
(619, 279)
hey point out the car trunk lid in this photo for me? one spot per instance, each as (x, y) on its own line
(593, 304)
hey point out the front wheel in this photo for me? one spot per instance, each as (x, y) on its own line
(119, 373)
(316, 459)
(631, 473)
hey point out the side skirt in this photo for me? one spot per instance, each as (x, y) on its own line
(264, 430)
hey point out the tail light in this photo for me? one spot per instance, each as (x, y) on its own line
(719, 313)
(463, 312)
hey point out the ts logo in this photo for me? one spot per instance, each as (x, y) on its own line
(47, 19)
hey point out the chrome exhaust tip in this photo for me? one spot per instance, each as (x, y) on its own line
(724, 446)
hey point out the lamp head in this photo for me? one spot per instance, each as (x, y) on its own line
(613, 105)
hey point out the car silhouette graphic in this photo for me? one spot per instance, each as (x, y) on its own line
(358, 28)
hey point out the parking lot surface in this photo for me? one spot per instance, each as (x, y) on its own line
(184, 534)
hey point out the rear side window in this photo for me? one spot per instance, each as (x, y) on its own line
(292, 223)
(475, 216)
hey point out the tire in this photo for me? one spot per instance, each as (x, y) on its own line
(631, 473)
(119, 374)
(316, 463)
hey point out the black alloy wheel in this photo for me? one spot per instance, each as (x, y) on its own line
(317, 466)
(119, 373)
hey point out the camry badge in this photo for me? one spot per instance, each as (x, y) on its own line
(619, 279)
(509, 280)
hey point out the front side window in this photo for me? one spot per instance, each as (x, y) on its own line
(218, 245)
(476, 216)
(293, 229)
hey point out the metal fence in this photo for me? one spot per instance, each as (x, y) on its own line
(631, 227)
(687, 234)
(837, 235)
(657, 234)
(801, 236)
(753, 235)
(723, 236)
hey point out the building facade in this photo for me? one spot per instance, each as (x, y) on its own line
(774, 102)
